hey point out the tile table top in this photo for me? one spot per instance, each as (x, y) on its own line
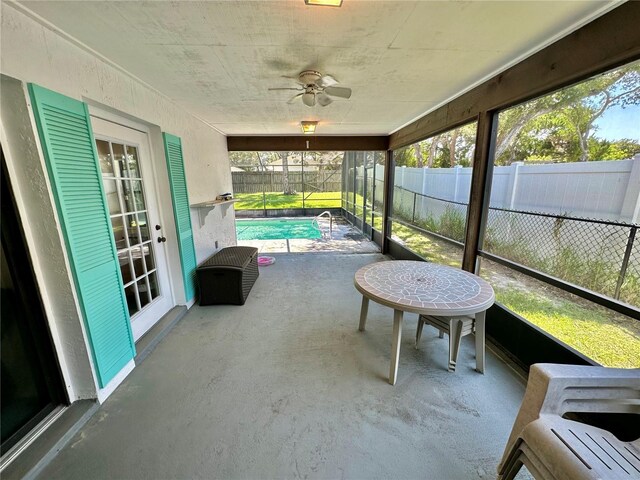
(424, 287)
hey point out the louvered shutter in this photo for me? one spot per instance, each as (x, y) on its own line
(182, 215)
(67, 140)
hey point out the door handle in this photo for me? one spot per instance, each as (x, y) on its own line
(162, 239)
(158, 227)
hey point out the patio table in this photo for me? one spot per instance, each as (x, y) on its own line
(426, 289)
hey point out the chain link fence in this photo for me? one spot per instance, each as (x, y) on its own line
(598, 255)
(444, 217)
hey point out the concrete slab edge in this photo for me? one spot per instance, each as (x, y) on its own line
(156, 334)
(46, 446)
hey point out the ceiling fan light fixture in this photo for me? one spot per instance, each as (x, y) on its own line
(324, 3)
(308, 127)
(309, 98)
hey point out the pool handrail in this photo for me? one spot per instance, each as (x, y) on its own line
(315, 220)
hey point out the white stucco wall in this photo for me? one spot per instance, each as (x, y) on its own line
(34, 53)
(31, 51)
(46, 246)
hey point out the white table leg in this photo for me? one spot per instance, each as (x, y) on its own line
(480, 323)
(395, 346)
(455, 335)
(364, 309)
(419, 330)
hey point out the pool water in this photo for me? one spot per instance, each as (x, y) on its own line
(276, 229)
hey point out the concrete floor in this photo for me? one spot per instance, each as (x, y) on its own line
(286, 387)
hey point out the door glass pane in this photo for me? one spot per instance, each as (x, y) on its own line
(153, 285)
(125, 267)
(132, 227)
(23, 392)
(127, 196)
(148, 257)
(136, 255)
(29, 382)
(132, 159)
(124, 188)
(132, 299)
(120, 163)
(143, 291)
(138, 196)
(104, 157)
(144, 228)
(113, 200)
(119, 233)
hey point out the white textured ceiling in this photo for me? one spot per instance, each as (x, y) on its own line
(401, 58)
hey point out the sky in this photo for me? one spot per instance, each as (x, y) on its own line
(618, 123)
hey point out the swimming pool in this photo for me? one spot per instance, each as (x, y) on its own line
(282, 228)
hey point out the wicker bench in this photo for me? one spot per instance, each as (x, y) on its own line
(228, 276)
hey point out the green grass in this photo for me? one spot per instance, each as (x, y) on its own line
(428, 247)
(276, 200)
(590, 331)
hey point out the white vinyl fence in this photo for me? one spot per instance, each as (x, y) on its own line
(607, 190)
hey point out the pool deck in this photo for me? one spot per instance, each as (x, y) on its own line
(344, 239)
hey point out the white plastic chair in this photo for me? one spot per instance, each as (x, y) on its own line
(552, 447)
(456, 328)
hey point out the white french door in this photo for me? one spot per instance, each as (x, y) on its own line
(128, 177)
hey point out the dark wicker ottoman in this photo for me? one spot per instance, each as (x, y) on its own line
(227, 276)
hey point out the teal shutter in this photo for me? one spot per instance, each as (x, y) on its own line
(181, 213)
(69, 149)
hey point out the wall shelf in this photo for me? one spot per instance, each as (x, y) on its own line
(204, 208)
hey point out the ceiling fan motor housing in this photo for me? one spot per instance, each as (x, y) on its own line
(309, 77)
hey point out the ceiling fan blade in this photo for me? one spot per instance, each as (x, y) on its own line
(309, 99)
(286, 88)
(294, 97)
(326, 81)
(342, 92)
(324, 100)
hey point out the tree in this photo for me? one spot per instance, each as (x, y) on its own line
(621, 87)
(284, 158)
(515, 120)
(249, 161)
(564, 119)
(607, 150)
(404, 157)
(453, 137)
(417, 152)
(444, 150)
(433, 150)
(324, 160)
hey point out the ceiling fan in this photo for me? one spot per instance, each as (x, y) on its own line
(315, 87)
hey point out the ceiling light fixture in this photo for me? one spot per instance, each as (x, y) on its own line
(308, 128)
(324, 3)
(309, 97)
